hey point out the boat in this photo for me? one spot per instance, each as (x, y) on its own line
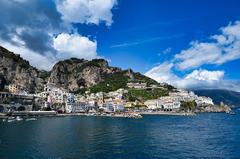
(11, 117)
(31, 119)
(18, 118)
(4, 120)
(11, 120)
(232, 113)
(135, 115)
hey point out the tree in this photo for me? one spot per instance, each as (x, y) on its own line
(189, 105)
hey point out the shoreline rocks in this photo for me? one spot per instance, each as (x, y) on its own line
(214, 109)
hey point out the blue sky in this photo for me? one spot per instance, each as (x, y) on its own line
(185, 43)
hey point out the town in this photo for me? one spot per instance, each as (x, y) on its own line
(15, 99)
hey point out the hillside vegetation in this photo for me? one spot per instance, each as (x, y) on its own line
(146, 94)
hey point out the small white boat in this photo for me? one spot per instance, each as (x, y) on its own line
(4, 120)
(11, 120)
(31, 119)
(232, 113)
(11, 117)
(18, 118)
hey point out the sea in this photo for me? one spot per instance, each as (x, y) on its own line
(207, 135)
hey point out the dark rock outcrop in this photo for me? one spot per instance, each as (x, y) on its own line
(2, 82)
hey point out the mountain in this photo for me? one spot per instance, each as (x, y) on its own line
(77, 74)
(74, 74)
(228, 97)
(16, 70)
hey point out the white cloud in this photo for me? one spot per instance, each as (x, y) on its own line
(197, 55)
(219, 49)
(87, 11)
(67, 46)
(166, 51)
(232, 30)
(162, 73)
(139, 42)
(197, 79)
(74, 45)
(34, 35)
(35, 59)
(201, 79)
(222, 48)
(205, 75)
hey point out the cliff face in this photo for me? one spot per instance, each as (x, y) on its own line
(79, 73)
(16, 70)
(72, 74)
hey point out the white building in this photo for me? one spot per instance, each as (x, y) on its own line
(58, 95)
(152, 104)
(78, 107)
(17, 89)
(204, 101)
(137, 85)
(164, 103)
(118, 108)
(91, 105)
(183, 95)
(107, 107)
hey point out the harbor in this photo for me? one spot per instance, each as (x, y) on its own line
(16, 115)
(169, 113)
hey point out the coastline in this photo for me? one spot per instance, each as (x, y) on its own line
(169, 113)
(130, 114)
(117, 115)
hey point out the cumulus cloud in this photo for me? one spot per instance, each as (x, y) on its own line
(219, 49)
(162, 73)
(222, 48)
(67, 46)
(87, 11)
(30, 22)
(197, 55)
(30, 28)
(197, 79)
(201, 79)
(75, 45)
(205, 75)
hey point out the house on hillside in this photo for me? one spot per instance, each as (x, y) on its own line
(136, 85)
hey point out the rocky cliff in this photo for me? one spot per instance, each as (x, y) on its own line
(16, 70)
(73, 74)
(79, 73)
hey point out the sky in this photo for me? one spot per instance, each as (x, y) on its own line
(189, 44)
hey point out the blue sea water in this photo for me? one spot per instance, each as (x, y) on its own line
(208, 135)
